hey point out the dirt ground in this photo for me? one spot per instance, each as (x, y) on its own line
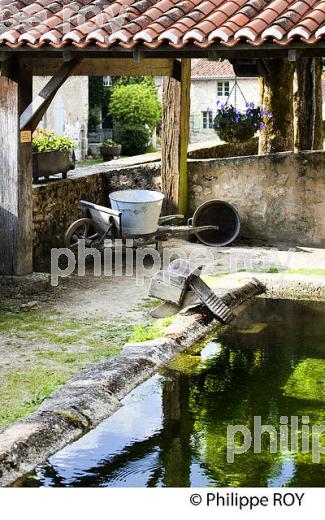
(113, 297)
(47, 337)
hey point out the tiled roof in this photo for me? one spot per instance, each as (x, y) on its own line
(202, 69)
(106, 23)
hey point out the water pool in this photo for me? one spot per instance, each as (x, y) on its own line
(172, 430)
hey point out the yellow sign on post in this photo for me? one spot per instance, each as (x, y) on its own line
(26, 136)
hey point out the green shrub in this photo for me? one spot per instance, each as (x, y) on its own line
(135, 104)
(134, 138)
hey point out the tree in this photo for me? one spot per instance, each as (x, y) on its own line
(148, 81)
(97, 96)
(277, 98)
(308, 104)
(135, 104)
(97, 92)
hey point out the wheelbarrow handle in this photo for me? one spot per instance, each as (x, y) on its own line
(170, 218)
(183, 230)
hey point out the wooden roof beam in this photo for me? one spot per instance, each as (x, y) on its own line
(105, 67)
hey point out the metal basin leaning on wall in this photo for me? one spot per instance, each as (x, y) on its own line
(221, 214)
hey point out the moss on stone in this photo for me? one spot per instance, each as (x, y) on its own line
(74, 419)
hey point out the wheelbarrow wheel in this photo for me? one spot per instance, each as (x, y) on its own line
(82, 229)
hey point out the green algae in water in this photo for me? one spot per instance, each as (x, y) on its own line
(307, 381)
(172, 430)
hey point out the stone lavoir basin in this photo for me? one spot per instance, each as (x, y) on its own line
(172, 430)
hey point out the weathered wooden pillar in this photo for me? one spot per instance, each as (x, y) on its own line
(308, 103)
(175, 138)
(16, 240)
(277, 97)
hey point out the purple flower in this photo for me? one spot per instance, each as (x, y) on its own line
(262, 126)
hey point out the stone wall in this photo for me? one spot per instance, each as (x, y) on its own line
(280, 198)
(141, 177)
(56, 206)
(225, 150)
(56, 203)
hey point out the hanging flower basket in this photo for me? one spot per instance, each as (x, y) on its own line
(235, 126)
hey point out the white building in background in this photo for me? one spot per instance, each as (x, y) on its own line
(214, 81)
(68, 112)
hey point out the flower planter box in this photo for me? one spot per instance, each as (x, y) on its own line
(109, 152)
(51, 163)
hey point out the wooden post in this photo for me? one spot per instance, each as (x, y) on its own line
(308, 101)
(16, 242)
(175, 138)
(277, 97)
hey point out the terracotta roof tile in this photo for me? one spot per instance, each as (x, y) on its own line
(159, 22)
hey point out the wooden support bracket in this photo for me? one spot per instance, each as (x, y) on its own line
(33, 114)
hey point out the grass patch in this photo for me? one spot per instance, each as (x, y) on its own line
(23, 390)
(75, 344)
(302, 270)
(89, 162)
(149, 304)
(154, 331)
(317, 272)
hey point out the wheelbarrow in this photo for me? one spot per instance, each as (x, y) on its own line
(135, 214)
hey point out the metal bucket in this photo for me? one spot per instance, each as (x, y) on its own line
(221, 214)
(140, 211)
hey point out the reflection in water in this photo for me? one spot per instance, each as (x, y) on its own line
(172, 430)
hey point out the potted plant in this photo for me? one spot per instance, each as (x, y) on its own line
(52, 154)
(235, 126)
(109, 150)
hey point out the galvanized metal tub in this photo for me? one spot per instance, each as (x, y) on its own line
(140, 211)
(221, 214)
